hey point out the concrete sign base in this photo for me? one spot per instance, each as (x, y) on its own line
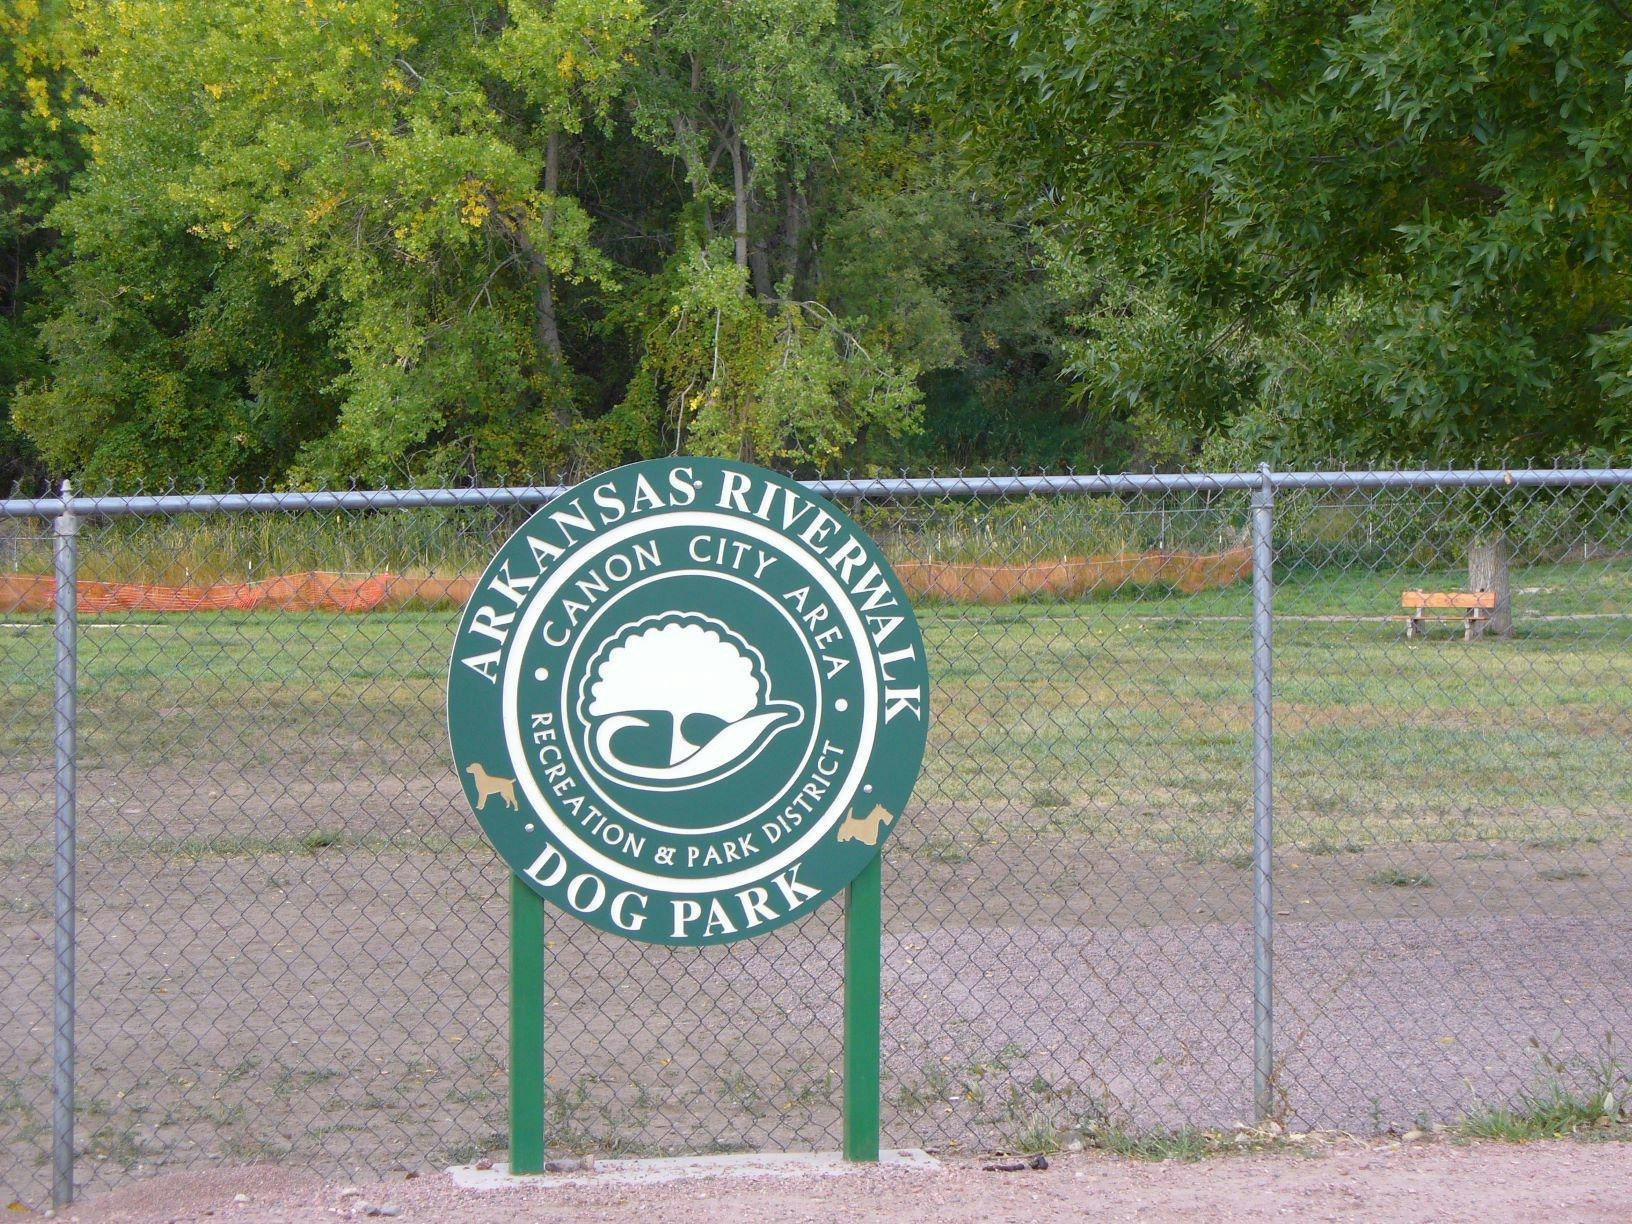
(681, 1168)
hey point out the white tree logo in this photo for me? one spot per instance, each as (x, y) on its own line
(673, 667)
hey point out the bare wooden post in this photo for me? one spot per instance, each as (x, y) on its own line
(1487, 571)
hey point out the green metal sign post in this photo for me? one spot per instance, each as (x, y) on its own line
(863, 962)
(526, 1028)
(688, 702)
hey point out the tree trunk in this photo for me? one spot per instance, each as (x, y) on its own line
(1487, 571)
(792, 235)
(739, 188)
(546, 328)
(759, 263)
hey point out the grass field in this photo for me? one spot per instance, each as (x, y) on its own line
(1122, 719)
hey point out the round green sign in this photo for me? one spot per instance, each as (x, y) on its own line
(688, 701)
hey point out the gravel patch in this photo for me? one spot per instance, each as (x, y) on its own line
(345, 1008)
(340, 1004)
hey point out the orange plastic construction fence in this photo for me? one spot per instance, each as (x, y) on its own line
(314, 591)
(319, 591)
(1073, 577)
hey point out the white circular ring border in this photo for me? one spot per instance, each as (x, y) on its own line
(540, 598)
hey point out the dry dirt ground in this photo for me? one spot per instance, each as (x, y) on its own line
(341, 1005)
(1343, 1180)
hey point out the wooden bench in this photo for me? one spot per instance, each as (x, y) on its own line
(1472, 608)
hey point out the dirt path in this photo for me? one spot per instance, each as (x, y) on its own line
(259, 1008)
(1440, 1181)
(249, 992)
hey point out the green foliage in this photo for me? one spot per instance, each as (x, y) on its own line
(1570, 1097)
(735, 379)
(925, 263)
(760, 74)
(747, 97)
(39, 150)
(394, 240)
(351, 159)
(166, 364)
(382, 241)
(1295, 230)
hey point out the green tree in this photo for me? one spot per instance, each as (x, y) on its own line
(39, 151)
(922, 256)
(380, 171)
(738, 355)
(1298, 231)
(386, 241)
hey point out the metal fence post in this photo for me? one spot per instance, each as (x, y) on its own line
(65, 532)
(1263, 797)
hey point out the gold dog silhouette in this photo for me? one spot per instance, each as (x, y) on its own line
(864, 828)
(487, 786)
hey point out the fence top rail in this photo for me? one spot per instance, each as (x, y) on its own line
(866, 488)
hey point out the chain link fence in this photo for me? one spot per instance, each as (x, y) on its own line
(291, 937)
